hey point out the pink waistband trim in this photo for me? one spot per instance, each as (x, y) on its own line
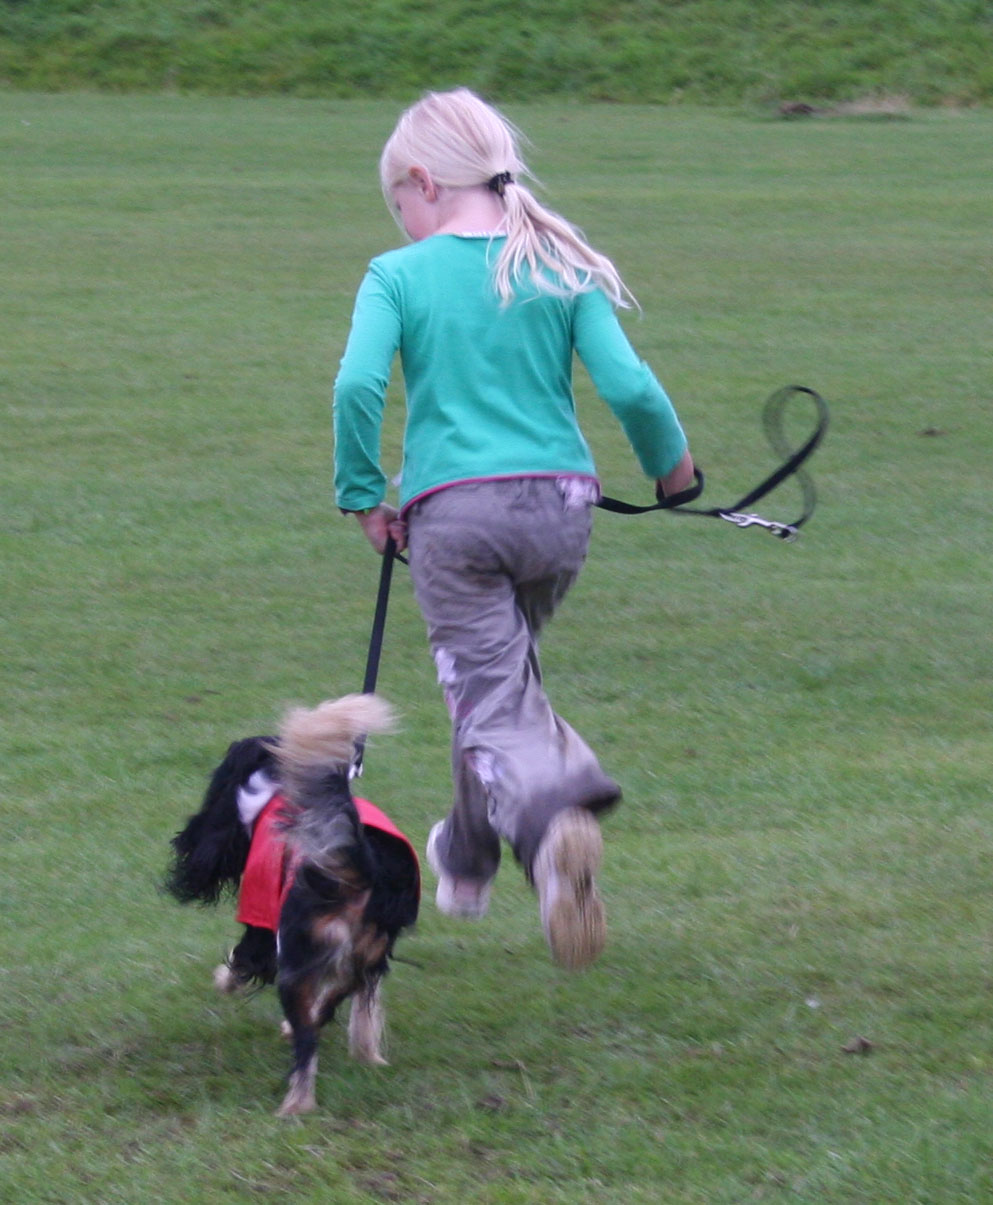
(498, 477)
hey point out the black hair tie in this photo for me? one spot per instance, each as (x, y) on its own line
(499, 182)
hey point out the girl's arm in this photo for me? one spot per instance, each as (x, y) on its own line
(631, 390)
(360, 394)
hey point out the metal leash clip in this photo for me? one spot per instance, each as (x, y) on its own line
(784, 531)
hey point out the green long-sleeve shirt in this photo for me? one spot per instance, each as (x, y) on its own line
(489, 386)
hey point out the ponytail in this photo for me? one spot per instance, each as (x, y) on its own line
(552, 253)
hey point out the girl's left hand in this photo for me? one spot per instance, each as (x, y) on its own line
(380, 522)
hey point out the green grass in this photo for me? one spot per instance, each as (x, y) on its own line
(935, 52)
(805, 849)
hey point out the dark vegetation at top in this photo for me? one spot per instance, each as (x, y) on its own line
(715, 52)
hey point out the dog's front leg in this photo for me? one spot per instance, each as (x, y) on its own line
(365, 1025)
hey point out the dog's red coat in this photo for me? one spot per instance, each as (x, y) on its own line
(266, 877)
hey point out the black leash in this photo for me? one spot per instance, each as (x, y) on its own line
(390, 554)
(738, 514)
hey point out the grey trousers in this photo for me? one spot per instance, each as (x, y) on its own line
(490, 561)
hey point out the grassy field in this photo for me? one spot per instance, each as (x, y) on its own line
(804, 855)
(751, 52)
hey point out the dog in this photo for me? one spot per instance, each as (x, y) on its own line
(326, 882)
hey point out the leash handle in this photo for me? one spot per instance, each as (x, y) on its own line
(375, 642)
(674, 501)
(663, 501)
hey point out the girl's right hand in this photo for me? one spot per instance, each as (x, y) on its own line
(380, 522)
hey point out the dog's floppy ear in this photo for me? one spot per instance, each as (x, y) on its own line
(211, 851)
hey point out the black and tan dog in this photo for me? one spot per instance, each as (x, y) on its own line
(326, 881)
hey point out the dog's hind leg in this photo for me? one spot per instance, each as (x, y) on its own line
(366, 1022)
(307, 1006)
(300, 1096)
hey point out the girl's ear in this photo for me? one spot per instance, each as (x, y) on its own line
(421, 178)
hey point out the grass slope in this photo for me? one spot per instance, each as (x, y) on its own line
(804, 852)
(704, 51)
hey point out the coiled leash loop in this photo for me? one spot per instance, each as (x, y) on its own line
(739, 514)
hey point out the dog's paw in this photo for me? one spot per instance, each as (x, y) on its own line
(370, 1058)
(301, 1097)
(295, 1108)
(225, 980)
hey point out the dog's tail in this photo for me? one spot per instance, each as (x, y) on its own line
(314, 741)
(315, 751)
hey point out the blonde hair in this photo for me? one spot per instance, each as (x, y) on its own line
(463, 142)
